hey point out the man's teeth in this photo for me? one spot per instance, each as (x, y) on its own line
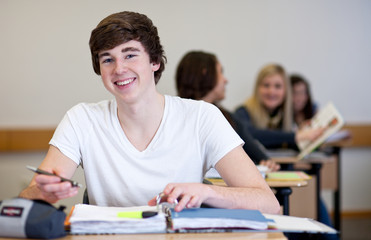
(125, 82)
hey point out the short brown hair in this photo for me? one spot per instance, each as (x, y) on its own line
(122, 27)
(196, 74)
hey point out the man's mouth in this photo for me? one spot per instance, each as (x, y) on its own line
(125, 82)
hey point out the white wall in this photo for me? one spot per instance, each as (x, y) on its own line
(46, 67)
(14, 176)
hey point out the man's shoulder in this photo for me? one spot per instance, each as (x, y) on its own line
(187, 103)
(98, 108)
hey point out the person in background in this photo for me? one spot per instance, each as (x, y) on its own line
(304, 109)
(303, 106)
(268, 112)
(141, 142)
(199, 76)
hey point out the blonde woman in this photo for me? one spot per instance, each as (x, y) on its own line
(268, 112)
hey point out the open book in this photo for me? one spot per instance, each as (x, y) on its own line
(328, 117)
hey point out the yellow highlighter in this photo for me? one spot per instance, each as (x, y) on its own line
(136, 214)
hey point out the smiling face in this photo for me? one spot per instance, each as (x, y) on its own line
(271, 92)
(127, 72)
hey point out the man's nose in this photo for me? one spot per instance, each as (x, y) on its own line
(120, 67)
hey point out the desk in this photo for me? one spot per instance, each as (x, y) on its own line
(179, 236)
(316, 161)
(283, 189)
(336, 151)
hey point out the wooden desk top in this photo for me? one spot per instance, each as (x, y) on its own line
(310, 159)
(301, 183)
(179, 236)
(276, 184)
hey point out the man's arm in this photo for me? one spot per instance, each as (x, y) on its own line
(246, 187)
(50, 188)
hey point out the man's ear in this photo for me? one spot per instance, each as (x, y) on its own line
(155, 66)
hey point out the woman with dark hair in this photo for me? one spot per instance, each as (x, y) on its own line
(303, 106)
(303, 110)
(200, 76)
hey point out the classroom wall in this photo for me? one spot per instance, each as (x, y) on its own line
(46, 66)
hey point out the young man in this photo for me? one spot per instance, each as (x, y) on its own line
(142, 143)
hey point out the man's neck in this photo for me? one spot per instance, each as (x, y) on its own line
(140, 121)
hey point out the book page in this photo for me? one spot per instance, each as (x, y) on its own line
(328, 117)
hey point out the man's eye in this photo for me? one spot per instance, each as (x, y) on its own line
(129, 56)
(108, 60)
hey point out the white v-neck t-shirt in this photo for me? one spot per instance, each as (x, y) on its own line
(193, 136)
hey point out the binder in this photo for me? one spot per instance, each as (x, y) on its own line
(216, 219)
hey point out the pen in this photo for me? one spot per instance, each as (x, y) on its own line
(136, 214)
(39, 171)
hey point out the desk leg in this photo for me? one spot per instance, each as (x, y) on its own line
(316, 170)
(337, 196)
(282, 196)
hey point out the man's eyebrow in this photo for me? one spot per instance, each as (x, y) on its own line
(130, 49)
(127, 49)
(103, 54)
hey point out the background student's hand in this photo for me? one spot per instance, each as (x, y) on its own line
(52, 189)
(308, 134)
(272, 166)
(305, 124)
(189, 195)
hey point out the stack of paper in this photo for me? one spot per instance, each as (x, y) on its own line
(90, 219)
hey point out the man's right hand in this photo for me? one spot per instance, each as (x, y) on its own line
(52, 189)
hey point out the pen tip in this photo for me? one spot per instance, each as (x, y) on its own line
(29, 167)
